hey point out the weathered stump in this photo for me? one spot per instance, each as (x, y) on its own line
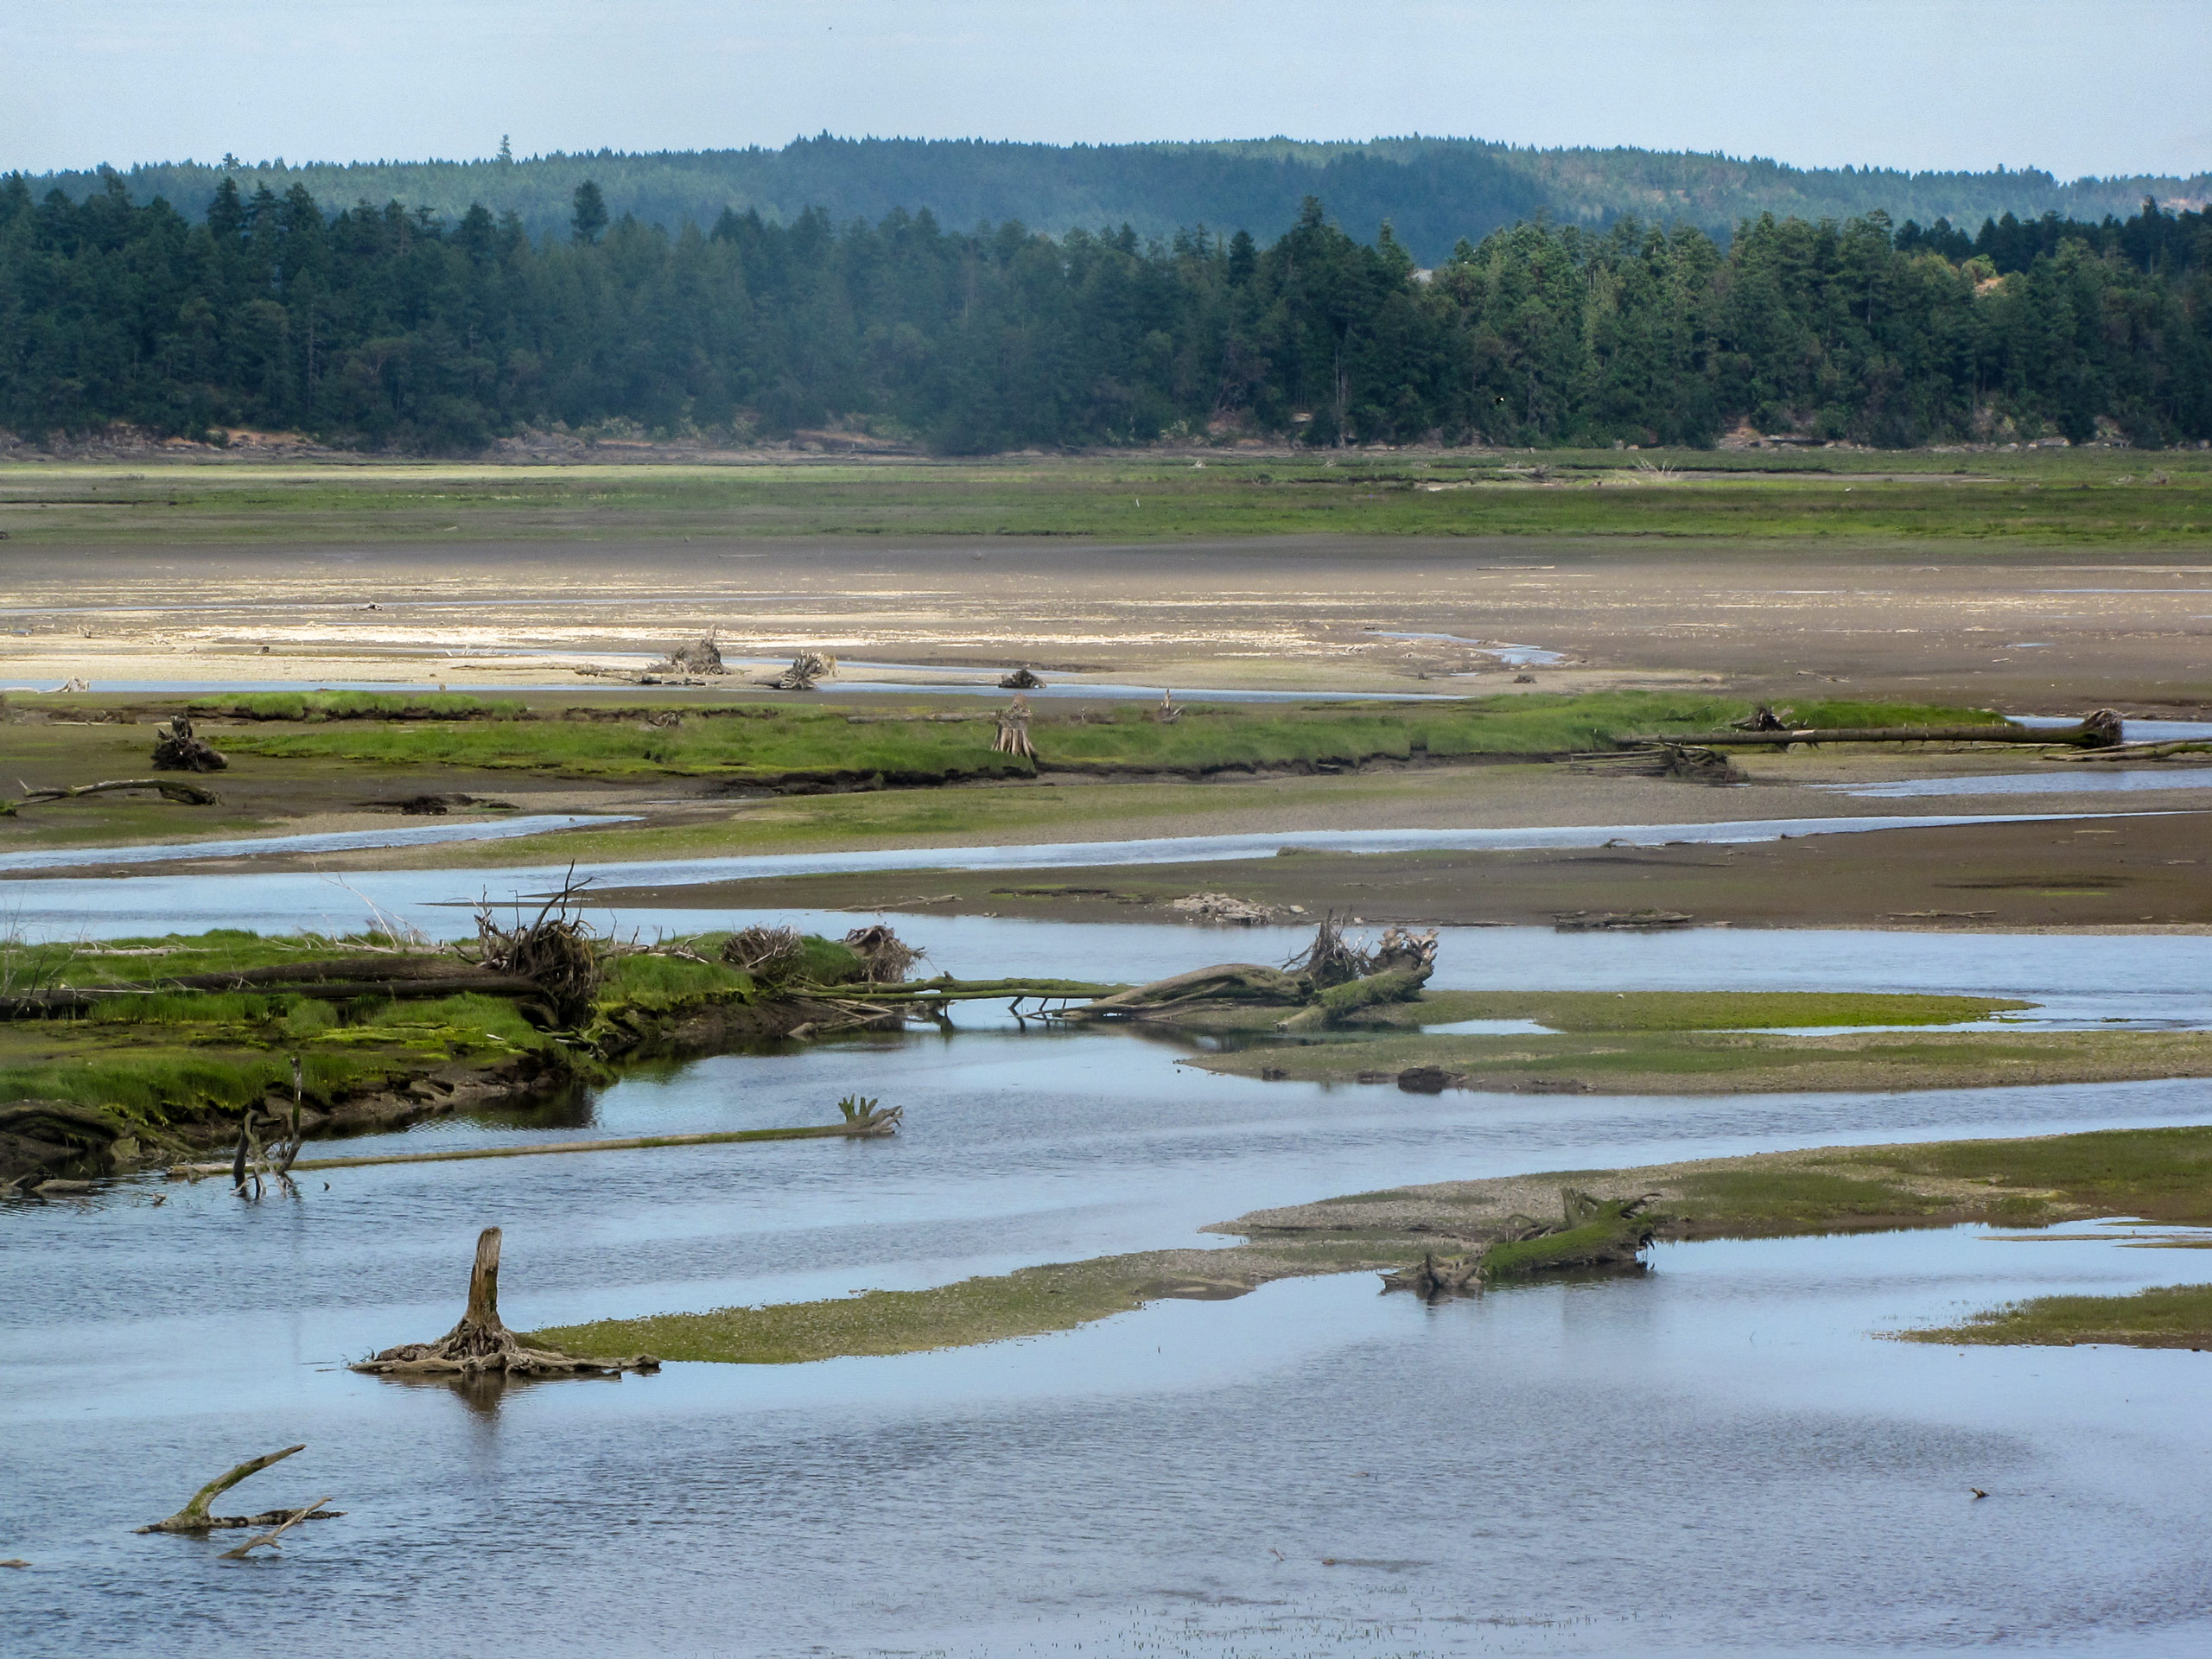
(481, 1345)
(178, 750)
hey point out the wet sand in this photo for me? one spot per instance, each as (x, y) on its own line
(2114, 873)
(2018, 629)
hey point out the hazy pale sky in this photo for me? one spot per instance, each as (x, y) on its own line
(2073, 86)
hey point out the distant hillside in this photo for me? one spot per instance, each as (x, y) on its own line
(1435, 191)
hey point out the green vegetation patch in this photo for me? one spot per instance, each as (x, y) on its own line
(2131, 1172)
(771, 745)
(1593, 1011)
(2158, 1174)
(1708, 1062)
(315, 707)
(1030, 1302)
(2171, 1316)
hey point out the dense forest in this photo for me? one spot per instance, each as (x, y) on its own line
(1433, 191)
(385, 327)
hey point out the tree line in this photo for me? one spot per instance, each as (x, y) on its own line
(389, 328)
(1433, 190)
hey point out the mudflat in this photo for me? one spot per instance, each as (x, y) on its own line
(2022, 628)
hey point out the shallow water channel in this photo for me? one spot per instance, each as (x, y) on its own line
(1719, 1454)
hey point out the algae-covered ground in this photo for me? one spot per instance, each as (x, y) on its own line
(770, 743)
(1702, 1043)
(2164, 1316)
(163, 1068)
(2070, 497)
(2161, 1175)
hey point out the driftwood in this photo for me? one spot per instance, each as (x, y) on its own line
(1013, 731)
(1332, 978)
(1694, 762)
(1338, 1002)
(806, 668)
(701, 655)
(2125, 752)
(768, 953)
(183, 794)
(1592, 1234)
(193, 1516)
(178, 750)
(1619, 921)
(1223, 907)
(1021, 680)
(1168, 714)
(2097, 730)
(480, 1345)
(554, 952)
(271, 1537)
(873, 1126)
(885, 958)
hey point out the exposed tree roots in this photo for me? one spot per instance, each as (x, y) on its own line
(480, 1345)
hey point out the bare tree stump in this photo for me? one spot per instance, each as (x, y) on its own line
(481, 1345)
(178, 750)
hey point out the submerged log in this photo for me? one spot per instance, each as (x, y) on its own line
(480, 1345)
(193, 1516)
(876, 1126)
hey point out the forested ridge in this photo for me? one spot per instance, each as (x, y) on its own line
(387, 328)
(1433, 190)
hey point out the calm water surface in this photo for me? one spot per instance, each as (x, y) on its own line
(1719, 1455)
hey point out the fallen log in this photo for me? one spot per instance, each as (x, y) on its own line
(945, 988)
(1334, 1005)
(184, 794)
(193, 1516)
(271, 1537)
(2095, 731)
(876, 1126)
(481, 1345)
(1234, 982)
(2126, 752)
(1592, 1234)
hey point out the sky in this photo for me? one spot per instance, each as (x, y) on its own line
(2075, 86)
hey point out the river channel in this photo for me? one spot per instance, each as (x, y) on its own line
(1722, 1455)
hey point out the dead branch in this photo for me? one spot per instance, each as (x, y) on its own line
(768, 953)
(271, 1537)
(183, 794)
(481, 1345)
(885, 958)
(556, 951)
(701, 655)
(193, 1516)
(806, 668)
(883, 1123)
